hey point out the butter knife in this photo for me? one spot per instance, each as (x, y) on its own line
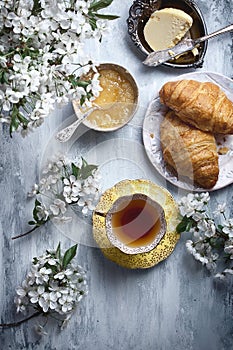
(156, 58)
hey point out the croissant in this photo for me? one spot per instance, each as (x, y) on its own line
(190, 152)
(203, 105)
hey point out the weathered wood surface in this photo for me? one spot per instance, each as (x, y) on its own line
(175, 305)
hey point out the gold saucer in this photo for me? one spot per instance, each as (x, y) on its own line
(167, 243)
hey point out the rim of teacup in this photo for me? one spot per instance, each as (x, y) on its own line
(124, 247)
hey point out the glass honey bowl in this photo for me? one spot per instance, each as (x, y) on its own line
(116, 103)
(139, 15)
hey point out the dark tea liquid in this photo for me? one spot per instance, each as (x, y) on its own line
(136, 222)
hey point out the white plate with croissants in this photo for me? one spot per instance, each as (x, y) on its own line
(188, 131)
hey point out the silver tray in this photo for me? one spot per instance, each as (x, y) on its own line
(139, 14)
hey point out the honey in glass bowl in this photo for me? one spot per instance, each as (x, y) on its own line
(117, 100)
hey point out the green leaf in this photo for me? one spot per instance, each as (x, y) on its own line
(87, 171)
(189, 225)
(217, 243)
(58, 251)
(54, 268)
(32, 223)
(75, 170)
(99, 4)
(69, 255)
(185, 225)
(83, 83)
(14, 120)
(78, 82)
(108, 17)
(82, 100)
(34, 213)
(35, 260)
(92, 22)
(3, 77)
(84, 162)
(22, 119)
(36, 7)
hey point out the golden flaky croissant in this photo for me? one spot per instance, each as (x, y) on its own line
(203, 105)
(191, 152)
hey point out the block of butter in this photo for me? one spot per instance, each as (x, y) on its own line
(166, 27)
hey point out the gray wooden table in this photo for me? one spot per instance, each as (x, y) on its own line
(175, 305)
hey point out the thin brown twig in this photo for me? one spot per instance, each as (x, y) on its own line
(26, 233)
(15, 324)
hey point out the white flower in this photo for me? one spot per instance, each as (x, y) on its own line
(71, 189)
(42, 212)
(35, 295)
(228, 228)
(6, 106)
(95, 86)
(21, 304)
(41, 261)
(52, 261)
(62, 219)
(86, 204)
(207, 227)
(21, 292)
(42, 70)
(212, 258)
(55, 165)
(204, 260)
(204, 197)
(34, 191)
(220, 209)
(58, 207)
(190, 247)
(199, 216)
(47, 183)
(221, 276)
(69, 272)
(229, 248)
(60, 275)
(191, 204)
(90, 185)
(42, 275)
(211, 240)
(52, 290)
(48, 301)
